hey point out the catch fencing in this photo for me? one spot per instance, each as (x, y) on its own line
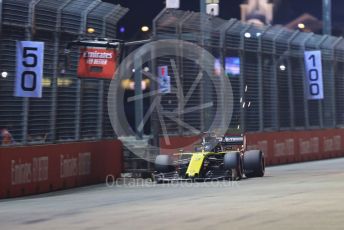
(265, 66)
(70, 109)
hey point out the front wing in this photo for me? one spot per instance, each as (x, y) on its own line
(176, 177)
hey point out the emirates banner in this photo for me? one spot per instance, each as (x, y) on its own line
(314, 89)
(97, 63)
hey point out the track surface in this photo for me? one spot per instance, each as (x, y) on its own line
(298, 196)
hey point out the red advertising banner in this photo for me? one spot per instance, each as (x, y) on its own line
(279, 147)
(97, 63)
(32, 170)
(298, 146)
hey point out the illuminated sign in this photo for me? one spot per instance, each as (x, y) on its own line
(164, 80)
(97, 63)
(232, 67)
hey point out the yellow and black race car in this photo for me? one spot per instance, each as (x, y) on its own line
(215, 158)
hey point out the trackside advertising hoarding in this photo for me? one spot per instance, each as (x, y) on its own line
(95, 62)
(29, 170)
(278, 147)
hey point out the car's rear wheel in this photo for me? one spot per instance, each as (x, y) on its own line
(233, 163)
(254, 163)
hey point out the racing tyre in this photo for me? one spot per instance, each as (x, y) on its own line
(233, 162)
(254, 163)
(163, 164)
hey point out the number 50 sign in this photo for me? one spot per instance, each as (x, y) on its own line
(29, 69)
(314, 80)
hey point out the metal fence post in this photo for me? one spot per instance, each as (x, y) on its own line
(304, 82)
(154, 86)
(138, 94)
(154, 118)
(179, 64)
(290, 81)
(54, 87)
(28, 37)
(180, 54)
(83, 24)
(105, 18)
(82, 29)
(202, 5)
(320, 102)
(275, 80)
(223, 33)
(25, 114)
(333, 81)
(1, 2)
(205, 89)
(327, 16)
(77, 110)
(260, 80)
(100, 112)
(275, 84)
(101, 82)
(242, 78)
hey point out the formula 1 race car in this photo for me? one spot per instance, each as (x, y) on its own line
(215, 158)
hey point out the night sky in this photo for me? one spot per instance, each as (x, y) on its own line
(142, 12)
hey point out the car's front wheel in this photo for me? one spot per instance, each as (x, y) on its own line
(164, 164)
(254, 163)
(233, 163)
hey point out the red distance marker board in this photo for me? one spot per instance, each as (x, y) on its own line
(97, 63)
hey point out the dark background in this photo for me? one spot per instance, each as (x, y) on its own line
(142, 12)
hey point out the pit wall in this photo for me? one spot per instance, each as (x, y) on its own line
(38, 169)
(280, 147)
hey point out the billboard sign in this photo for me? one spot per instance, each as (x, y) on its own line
(164, 80)
(95, 62)
(29, 69)
(314, 89)
(232, 67)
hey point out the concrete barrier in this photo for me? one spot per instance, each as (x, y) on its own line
(37, 169)
(298, 146)
(280, 147)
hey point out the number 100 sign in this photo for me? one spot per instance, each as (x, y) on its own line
(29, 72)
(314, 81)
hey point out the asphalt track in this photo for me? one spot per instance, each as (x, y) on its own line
(297, 196)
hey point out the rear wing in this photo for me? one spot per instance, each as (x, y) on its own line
(232, 140)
